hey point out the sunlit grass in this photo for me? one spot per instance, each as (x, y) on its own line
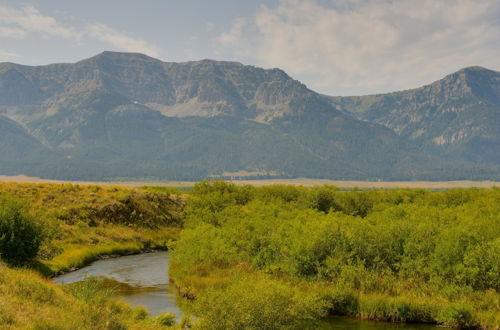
(27, 301)
(80, 250)
(81, 224)
(85, 222)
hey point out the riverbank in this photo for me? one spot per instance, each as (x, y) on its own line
(300, 254)
(82, 223)
(76, 257)
(104, 254)
(29, 301)
(78, 225)
(143, 280)
(140, 280)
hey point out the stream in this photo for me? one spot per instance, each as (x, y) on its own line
(143, 280)
(140, 279)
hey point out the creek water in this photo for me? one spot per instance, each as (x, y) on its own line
(140, 279)
(337, 323)
(143, 280)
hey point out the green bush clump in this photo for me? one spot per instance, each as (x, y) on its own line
(258, 303)
(93, 290)
(395, 255)
(140, 313)
(457, 315)
(342, 301)
(20, 234)
(166, 319)
(397, 309)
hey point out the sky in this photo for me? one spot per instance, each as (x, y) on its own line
(335, 47)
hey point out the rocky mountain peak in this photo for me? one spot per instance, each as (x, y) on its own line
(132, 115)
(459, 113)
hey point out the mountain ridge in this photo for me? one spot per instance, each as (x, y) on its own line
(131, 115)
(456, 114)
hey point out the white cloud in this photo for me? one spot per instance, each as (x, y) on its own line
(371, 46)
(234, 35)
(20, 22)
(121, 41)
(29, 19)
(12, 32)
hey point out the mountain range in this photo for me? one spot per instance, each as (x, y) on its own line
(129, 116)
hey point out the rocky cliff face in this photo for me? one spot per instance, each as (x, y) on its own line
(203, 88)
(119, 115)
(459, 114)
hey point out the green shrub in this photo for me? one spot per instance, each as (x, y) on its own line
(186, 322)
(258, 303)
(456, 315)
(397, 309)
(20, 235)
(342, 301)
(406, 254)
(140, 313)
(92, 290)
(166, 319)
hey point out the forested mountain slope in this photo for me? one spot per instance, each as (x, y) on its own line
(126, 115)
(459, 114)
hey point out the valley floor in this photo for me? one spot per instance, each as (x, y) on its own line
(266, 182)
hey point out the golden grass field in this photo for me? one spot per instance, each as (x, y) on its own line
(299, 181)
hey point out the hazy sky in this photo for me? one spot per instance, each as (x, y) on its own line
(337, 47)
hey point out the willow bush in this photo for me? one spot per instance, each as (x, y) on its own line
(20, 234)
(396, 255)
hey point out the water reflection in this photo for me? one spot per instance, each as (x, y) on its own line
(356, 324)
(140, 279)
(143, 280)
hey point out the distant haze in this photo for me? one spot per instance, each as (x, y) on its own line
(336, 47)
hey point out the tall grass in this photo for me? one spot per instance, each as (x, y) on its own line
(28, 301)
(82, 223)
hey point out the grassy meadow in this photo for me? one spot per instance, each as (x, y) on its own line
(77, 225)
(29, 301)
(83, 222)
(246, 257)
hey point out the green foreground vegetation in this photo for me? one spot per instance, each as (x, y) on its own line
(28, 301)
(284, 257)
(272, 257)
(48, 228)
